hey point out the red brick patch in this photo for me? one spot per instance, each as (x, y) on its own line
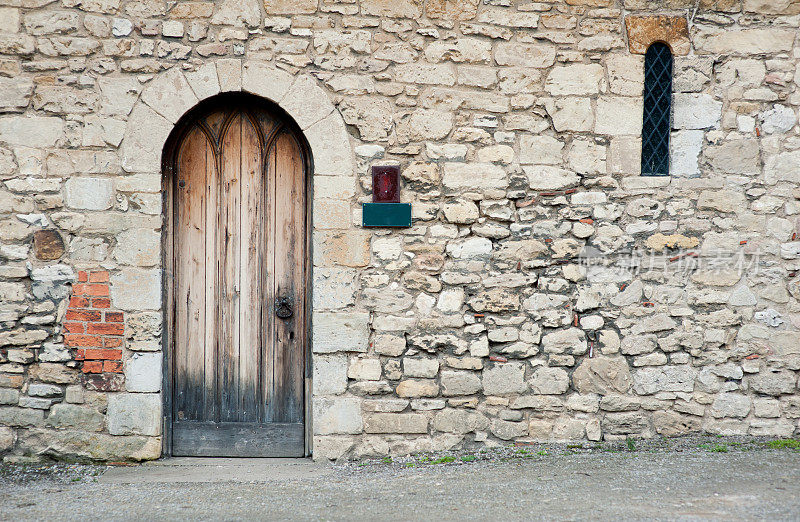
(95, 330)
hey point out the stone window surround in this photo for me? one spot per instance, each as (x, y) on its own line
(172, 93)
(644, 31)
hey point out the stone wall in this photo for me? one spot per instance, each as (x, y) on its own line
(546, 290)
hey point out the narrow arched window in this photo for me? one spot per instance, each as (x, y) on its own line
(657, 113)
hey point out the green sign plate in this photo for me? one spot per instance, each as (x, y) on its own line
(386, 214)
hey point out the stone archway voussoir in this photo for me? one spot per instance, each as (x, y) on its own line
(229, 72)
(266, 81)
(204, 81)
(306, 102)
(330, 147)
(145, 135)
(170, 95)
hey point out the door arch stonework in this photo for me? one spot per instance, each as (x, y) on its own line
(173, 93)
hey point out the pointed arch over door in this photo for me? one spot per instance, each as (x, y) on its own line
(237, 296)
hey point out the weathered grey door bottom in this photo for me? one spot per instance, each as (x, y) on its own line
(237, 439)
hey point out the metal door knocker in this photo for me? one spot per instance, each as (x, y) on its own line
(284, 307)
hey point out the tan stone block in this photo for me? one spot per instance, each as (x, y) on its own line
(372, 116)
(577, 79)
(393, 8)
(15, 44)
(332, 448)
(644, 30)
(590, 3)
(781, 7)
(192, 10)
(238, 12)
(389, 345)
(275, 7)
(423, 124)
(619, 116)
(136, 289)
(334, 187)
(468, 50)
(138, 247)
(474, 176)
(602, 375)
(625, 74)
(340, 332)
(364, 369)
(51, 22)
(9, 20)
(722, 200)
(72, 162)
(396, 423)
(31, 131)
(68, 46)
(459, 421)
(625, 155)
(725, 6)
(455, 10)
(417, 388)
(422, 73)
(571, 114)
(525, 54)
(540, 150)
(659, 242)
(332, 214)
(507, 17)
(744, 42)
(15, 94)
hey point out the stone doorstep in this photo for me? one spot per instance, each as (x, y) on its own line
(210, 470)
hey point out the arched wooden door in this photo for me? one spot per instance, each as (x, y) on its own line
(239, 249)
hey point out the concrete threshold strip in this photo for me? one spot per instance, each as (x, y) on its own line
(214, 469)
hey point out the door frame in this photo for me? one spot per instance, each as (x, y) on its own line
(168, 161)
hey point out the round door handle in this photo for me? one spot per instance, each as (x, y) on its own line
(284, 307)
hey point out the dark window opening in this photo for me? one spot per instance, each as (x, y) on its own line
(657, 110)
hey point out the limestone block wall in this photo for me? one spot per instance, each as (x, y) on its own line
(546, 290)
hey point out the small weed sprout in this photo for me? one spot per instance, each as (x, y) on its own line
(444, 460)
(784, 444)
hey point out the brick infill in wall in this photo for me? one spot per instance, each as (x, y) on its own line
(91, 327)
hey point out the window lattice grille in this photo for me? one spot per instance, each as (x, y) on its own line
(657, 105)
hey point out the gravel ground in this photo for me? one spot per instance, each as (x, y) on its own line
(688, 479)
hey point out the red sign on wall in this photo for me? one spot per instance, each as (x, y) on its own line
(386, 184)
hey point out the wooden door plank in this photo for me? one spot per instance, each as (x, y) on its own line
(268, 125)
(229, 253)
(289, 275)
(211, 278)
(270, 409)
(252, 251)
(190, 275)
